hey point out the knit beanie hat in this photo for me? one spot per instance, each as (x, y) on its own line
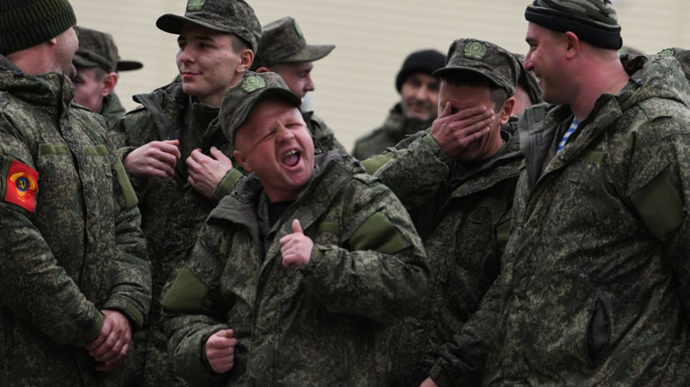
(27, 23)
(425, 62)
(594, 21)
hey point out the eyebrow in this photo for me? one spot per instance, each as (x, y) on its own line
(204, 38)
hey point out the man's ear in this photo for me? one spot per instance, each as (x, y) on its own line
(262, 69)
(506, 110)
(573, 45)
(246, 60)
(239, 156)
(110, 81)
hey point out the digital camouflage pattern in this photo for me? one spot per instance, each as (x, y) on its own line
(594, 285)
(682, 56)
(282, 41)
(80, 251)
(112, 110)
(230, 16)
(96, 49)
(323, 135)
(172, 211)
(320, 327)
(394, 129)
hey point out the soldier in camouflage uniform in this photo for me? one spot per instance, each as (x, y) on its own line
(682, 56)
(415, 111)
(75, 278)
(296, 275)
(217, 40)
(284, 51)
(98, 63)
(594, 287)
(460, 196)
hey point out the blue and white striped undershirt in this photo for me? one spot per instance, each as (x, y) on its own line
(571, 130)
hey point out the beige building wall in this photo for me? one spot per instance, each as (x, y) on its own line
(355, 84)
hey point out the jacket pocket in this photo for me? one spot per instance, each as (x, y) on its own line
(598, 330)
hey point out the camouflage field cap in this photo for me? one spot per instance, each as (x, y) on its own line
(282, 41)
(487, 59)
(98, 49)
(239, 101)
(594, 21)
(230, 16)
(682, 56)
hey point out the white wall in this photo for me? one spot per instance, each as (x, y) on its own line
(355, 83)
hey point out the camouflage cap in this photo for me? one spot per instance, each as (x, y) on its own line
(230, 16)
(282, 41)
(594, 21)
(98, 49)
(495, 63)
(682, 56)
(239, 101)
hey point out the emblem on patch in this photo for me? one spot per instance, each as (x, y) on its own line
(475, 50)
(253, 83)
(298, 30)
(195, 5)
(667, 52)
(22, 185)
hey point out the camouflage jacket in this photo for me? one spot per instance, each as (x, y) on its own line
(324, 137)
(319, 327)
(112, 110)
(594, 286)
(80, 250)
(465, 226)
(172, 211)
(394, 130)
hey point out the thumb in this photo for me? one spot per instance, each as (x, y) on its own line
(218, 155)
(228, 333)
(446, 110)
(296, 227)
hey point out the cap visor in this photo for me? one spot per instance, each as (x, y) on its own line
(309, 54)
(446, 70)
(173, 24)
(81, 61)
(128, 65)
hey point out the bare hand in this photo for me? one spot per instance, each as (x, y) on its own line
(155, 159)
(205, 173)
(220, 351)
(112, 344)
(428, 382)
(296, 247)
(454, 131)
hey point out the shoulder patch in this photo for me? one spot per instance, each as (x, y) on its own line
(21, 185)
(667, 52)
(253, 83)
(475, 50)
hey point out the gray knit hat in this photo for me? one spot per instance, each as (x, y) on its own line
(239, 100)
(282, 41)
(230, 16)
(594, 21)
(27, 23)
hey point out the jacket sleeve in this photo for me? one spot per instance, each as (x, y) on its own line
(33, 285)
(193, 311)
(658, 186)
(131, 290)
(460, 362)
(414, 171)
(380, 270)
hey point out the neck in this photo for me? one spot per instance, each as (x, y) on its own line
(33, 60)
(216, 99)
(609, 78)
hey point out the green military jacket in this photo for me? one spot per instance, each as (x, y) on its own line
(78, 251)
(172, 211)
(394, 130)
(112, 110)
(324, 137)
(319, 327)
(594, 287)
(464, 223)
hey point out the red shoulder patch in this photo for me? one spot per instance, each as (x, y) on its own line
(22, 186)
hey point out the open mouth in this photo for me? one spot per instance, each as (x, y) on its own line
(291, 158)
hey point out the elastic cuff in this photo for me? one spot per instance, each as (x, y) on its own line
(439, 376)
(435, 147)
(95, 331)
(129, 310)
(316, 257)
(230, 180)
